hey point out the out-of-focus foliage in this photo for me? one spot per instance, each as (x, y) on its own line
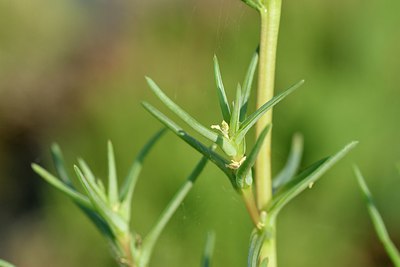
(73, 72)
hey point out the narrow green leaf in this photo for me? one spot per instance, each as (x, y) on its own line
(223, 101)
(377, 220)
(211, 155)
(4, 263)
(248, 81)
(253, 4)
(252, 245)
(208, 250)
(58, 160)
(150, 240)
(87, 207)
(99, 222)
(234, 124)
(112, 176)
(306, 179)
(130, 181)
(256, 240)
(292, 164)
(88, 174)
(112, 218)
(254, 117)
(189, 120)
(74, 195)
(246, 166)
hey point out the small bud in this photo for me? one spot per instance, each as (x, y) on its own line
(236, 164)
(223, 129)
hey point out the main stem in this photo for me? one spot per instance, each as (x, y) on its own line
(270, 18)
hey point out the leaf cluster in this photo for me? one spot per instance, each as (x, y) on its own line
(230, 135)
(110, 210)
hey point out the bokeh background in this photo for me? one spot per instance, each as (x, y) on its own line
(72, 71)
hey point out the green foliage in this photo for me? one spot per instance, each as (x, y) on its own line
(230, 135)
(256, 4)
(292, 164)
(110, 210)
(377, 220)
(4, 263)
(287, 185)
(297, 184)
(256, 241)
(208, 250)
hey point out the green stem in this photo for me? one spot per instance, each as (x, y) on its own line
(268, 249)
(248, 198)
(125, 257)
(270, 18)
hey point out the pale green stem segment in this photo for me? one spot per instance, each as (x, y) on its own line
(377, 220)
(270, 17)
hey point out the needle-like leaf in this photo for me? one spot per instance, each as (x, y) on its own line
(256, 240)
(204, 131)
(88, 174)
(223, 101)
(100, 223)
(305, 179)
(377, 220)
(234, 124)
(63, 174)
(246, 166)
(219, 161)
(4, 263)
(58, 160)
(111, 217)
(54, 181)
(151, 239)
(292, 164)
(254, 4)
(131, 179)
(208, 250)
(254, 117)
(248, 81)
(112, 176)
(129, 184)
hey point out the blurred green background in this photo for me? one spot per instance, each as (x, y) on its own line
(72, 71)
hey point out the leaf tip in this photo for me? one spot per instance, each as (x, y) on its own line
(149, 81)
(55, 148)
(77, 170)
(110, 145)
(35, 167)
(352, 144)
